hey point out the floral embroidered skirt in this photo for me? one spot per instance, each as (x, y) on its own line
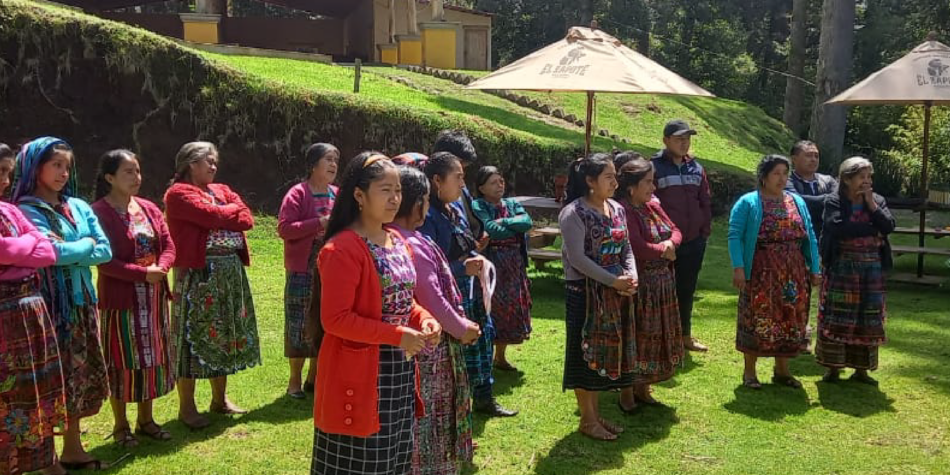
(32, 392)
(444, 435)
(659, 329)
(773, 307)
(138, 347)
(852, 312)
(213, 320)
(511, 303)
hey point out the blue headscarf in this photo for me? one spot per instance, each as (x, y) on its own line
(28, 164)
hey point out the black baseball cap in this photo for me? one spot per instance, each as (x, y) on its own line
(677, 127)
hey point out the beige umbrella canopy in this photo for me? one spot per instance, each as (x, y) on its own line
(920, 77)
(589, 60)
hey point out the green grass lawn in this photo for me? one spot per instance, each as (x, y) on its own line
(714, 427)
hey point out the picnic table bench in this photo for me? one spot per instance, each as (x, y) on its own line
(539, 238)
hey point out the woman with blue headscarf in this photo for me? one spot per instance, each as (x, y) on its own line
(45, 191)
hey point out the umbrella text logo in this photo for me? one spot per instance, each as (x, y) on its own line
(936, 76)
(567, 65)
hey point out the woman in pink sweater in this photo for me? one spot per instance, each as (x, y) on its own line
(444, 435)
(301, 224)
(34, 406)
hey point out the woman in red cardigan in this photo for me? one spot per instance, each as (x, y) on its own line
(653, 239)
(133, 296)
(303, 218)
(367, 391)
(213, 313)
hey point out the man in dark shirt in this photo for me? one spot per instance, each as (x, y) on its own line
(808, 183)
(683, 191)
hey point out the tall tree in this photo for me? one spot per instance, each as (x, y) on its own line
(829, 122)
(794, 86)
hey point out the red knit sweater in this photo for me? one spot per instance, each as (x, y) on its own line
(351, 311)
(117, 278)
(191, 216)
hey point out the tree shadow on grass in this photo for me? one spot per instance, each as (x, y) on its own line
(578, 454)
(278, 411)
(771, 403)
(853, 399)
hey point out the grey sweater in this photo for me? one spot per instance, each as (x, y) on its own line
(577, 265)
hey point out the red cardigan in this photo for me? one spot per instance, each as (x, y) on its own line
(191, 216)
(117, 278)
(643, 249)
(351, 311)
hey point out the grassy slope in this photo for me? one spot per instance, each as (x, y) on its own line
(715, 428)
(733, 134)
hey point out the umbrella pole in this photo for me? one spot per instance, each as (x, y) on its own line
(589, 124)
(924, 193)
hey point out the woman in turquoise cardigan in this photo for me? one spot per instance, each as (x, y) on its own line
(45, 191)
(506, 223)
(773, 250)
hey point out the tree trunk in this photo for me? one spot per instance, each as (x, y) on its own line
(794, 87)
(585, 11)
(828, 122)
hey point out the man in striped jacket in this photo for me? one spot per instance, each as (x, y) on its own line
(683, 191)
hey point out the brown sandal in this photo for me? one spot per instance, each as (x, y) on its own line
(124, 438)
(752, 383)
(597, 432)
(789, 381)
(616, 429)
(153, 431)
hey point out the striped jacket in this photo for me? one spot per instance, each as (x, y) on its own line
(684, 192)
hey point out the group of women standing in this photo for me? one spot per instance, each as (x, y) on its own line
(623, 330)
(402, 322)
(776, 262)
(69, 345)
(623, 326)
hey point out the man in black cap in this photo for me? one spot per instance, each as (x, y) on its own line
(683, 191)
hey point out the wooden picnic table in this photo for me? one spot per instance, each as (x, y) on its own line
(935, 232)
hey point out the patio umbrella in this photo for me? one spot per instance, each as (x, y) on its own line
(589, 60)
(922, 77)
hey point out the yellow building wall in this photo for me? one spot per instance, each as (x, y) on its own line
(201, 32)
(389, 55)
(410, 50)
(423, 14)
(439, 47)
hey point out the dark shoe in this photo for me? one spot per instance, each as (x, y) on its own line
(863, 378)
(786, 381)
(504, 366)
(93, 464)
(297, 395)
(492, 408)
(832, 376)
(633, 410)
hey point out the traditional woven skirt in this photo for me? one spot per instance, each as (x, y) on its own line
(32, 393)
(853, 311)
(213, 320)
(83, 361)
(389, 451)
(444, 435)
(659, 329)
(138, 347)
(297, 291)
(511, 303)
(478, 356)
(577, 373)
(773, 307)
